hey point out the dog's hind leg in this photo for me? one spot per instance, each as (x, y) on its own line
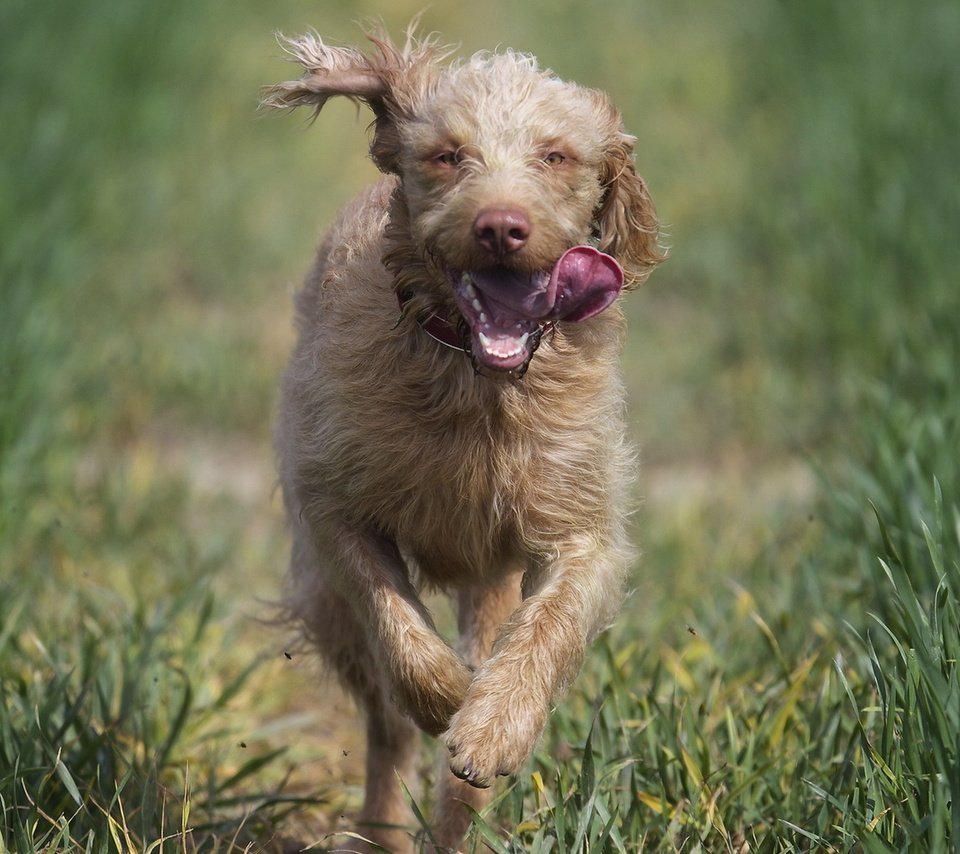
(391, 750)
(373, 621)
(482, 610)
(392, 739)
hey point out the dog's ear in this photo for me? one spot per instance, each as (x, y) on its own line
(381, 80)
(626, 220)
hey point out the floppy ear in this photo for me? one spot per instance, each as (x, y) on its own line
(372, 80)
(626, 221)
(328, 71)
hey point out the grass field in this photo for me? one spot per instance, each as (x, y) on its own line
(784, 677)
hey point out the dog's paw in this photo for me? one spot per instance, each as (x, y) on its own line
(492, 736)
(432, 703)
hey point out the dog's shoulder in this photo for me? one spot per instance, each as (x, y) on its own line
(350, 249)
(358, 227)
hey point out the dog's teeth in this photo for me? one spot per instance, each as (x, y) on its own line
(489, 345)
(476, 304)
(503, 350)
(483, 317)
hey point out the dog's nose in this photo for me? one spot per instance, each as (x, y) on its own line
(501, 230)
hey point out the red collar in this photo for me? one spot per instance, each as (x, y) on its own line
(440, 327)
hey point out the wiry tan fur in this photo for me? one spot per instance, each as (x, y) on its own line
(402, 466)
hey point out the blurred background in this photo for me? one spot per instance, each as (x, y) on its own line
(799, 346)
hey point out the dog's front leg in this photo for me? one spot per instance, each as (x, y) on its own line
(482, 611)
(429, 679)
(536, 655)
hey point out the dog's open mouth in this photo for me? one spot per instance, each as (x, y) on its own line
(506, 309)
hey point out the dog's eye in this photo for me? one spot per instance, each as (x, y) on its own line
(554, 158)
(448, 158)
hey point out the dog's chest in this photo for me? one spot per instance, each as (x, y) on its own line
(459, 501)
(454, 486)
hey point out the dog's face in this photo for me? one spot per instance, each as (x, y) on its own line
(502, 165)
(520, 190)
(502, 168)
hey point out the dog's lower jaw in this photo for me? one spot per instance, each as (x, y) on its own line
(514, 374)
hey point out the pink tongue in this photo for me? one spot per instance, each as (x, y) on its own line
(587, 281)
(583, 283)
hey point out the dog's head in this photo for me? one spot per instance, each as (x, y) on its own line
(519, 189)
